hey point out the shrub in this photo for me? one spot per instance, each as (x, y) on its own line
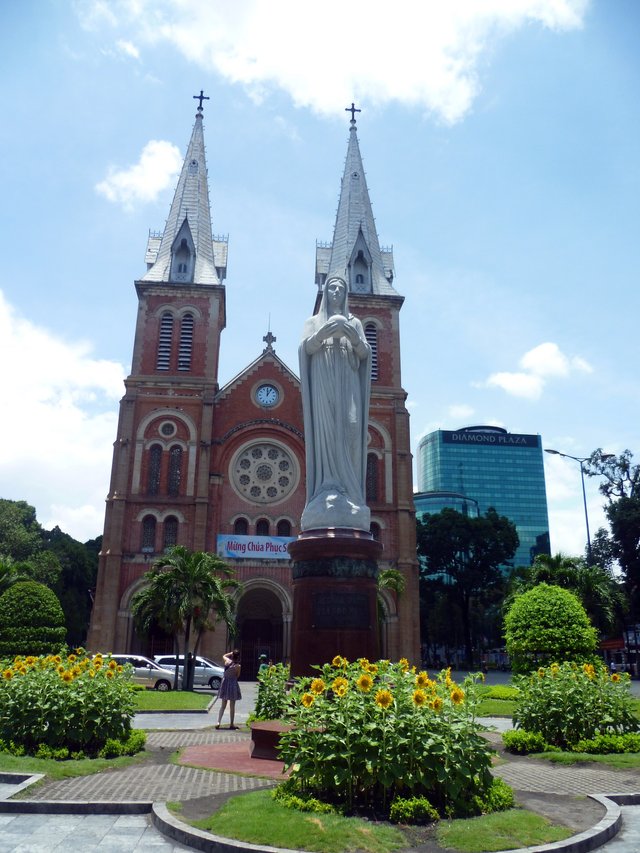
(606, 744)
(568, 702)
(71, 702)
(522, 743)
(364, 734)
(285, 796)
(498, 798)
(272, 699)
(548, 623)
(31, 620)
(502, 692)
(413, 810)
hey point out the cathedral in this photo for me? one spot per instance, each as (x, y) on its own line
(221, 468)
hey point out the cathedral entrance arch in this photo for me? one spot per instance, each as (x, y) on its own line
(263, 617)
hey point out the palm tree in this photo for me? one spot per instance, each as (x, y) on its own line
(186, 591)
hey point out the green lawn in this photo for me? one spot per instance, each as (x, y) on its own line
(258, 819)
(55, 770)
(173, 700)
(617, 761)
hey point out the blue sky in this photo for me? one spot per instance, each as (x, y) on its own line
(500, 142)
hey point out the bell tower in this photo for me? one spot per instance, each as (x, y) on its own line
(158, 494)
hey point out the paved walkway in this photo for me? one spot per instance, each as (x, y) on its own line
(158, 780)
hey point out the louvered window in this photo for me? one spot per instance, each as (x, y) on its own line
(375, 531)
(371, 334)
(186, 342)
(164, 342)
(170, 532)
(148, 534)
(372, 478)
(155, 461)
(262, 527)
(175, 470)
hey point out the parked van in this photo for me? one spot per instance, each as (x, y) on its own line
(206, 672)
(147, 672)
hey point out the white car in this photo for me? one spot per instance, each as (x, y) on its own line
(147, 671)
(206, 672)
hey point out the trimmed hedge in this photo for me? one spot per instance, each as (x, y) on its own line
(31, 621)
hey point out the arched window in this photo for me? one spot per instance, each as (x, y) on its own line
(371, 334)
(165, 339)
(186, 342)
(148, 534)
(359, 278)
(175, 470)
(372, 478)
(284, 527)
(241, 527)
(262, 527)
(374, 529)
(170, 532)
(155, 462)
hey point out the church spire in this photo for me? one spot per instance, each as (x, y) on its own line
(187, 251)
(355, 251)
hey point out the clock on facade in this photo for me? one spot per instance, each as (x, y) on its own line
(267, 395)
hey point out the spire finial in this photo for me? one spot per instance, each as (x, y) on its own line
(201, 97)
(269, 339)
(353, 110)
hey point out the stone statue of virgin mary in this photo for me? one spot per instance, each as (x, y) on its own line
(335, 371)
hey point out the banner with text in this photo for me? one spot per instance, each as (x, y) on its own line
(254, 547)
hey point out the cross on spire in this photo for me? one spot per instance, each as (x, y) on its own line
(201, 97)
(353, 110)
(269, 339)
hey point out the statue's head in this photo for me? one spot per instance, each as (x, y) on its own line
(335, 295)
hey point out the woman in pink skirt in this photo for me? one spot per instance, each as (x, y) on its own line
(230, 689)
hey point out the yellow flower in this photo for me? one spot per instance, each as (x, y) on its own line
(308, 699)
(541, 672)
(364, 663)
(615, 677)
(419, 698)
(337, 661)
(7, 674)
(109, 673)
(457, 696)
(92, 673)
(447, 677)
(120, 668)
(436, 704)
(422, 679)
(113, 664)
(404, 664)
(317, 686)
(72, 658)
(57, 659)
(384, 699)
(30, 660)
(67, 676)
(373, 668)
(364, 683)
(60, 669)
(340, 685)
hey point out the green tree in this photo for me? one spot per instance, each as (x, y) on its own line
(20, 532)
(31, 620)
(547, 624)
(186, 593)
(467, 555)
(599, 592)
(78, 568)
(621, 488)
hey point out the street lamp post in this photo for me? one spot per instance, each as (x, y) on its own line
(581, 461)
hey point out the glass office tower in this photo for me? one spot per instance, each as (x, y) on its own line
(497, 469)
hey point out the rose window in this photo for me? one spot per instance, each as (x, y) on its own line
(264, 473)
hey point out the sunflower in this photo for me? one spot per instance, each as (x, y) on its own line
(7, 674)
(113, 664)
(318, 686)
(541, 672)
(403, 663)
(436, 704)
(364, 683)
(109, 673)
(419, 698)
(66, 676)
(30, 660)
(120, 668)
(308, 699)
(457, 696)
(384, 699)
(340, 685)
(364, 663)
(423, 680)
(615, 677)
(373, 668)
(72, 658)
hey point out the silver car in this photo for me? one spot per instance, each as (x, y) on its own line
(206, 672)
(147, 671)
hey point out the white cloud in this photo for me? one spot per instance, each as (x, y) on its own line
(548, 360)
(55, 449)
(424, 54)
(539, 364)
(567, 520)
(128, 48)
(460, 411)
(157, 168)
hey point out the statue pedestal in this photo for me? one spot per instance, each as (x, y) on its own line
(334, 597)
